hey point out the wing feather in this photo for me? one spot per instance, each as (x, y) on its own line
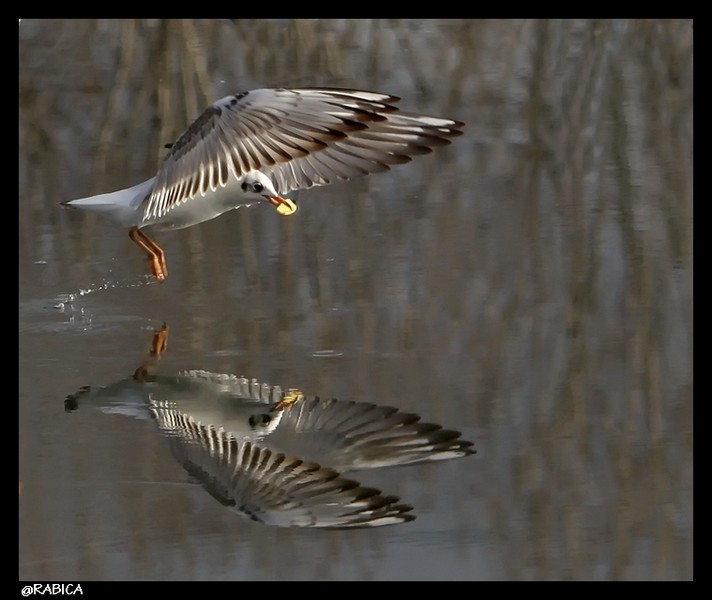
(301, 138)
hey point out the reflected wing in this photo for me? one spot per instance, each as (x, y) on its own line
(359, 435)
(343, 435)
(271, 487)
(300, 138)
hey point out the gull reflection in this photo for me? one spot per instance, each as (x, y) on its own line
(277, 455)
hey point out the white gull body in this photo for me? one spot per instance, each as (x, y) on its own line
(258, 145)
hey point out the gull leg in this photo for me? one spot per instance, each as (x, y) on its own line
(159, 343)
(154, 251)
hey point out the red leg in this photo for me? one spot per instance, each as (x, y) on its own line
(154, 251)
(159, 343)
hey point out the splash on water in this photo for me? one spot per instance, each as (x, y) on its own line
(65, 300)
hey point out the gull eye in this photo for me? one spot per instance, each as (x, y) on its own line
(244, 186)
(259, 420)
(258, 187)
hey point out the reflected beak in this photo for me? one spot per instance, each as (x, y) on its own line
(284, 206)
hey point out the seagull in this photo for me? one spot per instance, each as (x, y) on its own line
(278, 456)
(273, 454)
(257, 146)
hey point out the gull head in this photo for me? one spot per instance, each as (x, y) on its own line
(256, 183)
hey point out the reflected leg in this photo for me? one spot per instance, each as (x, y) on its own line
(159, 343)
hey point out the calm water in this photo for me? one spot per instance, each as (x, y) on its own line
(529, 286)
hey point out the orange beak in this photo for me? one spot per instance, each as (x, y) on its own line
(284, 206)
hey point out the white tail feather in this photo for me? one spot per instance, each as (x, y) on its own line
(120, 205)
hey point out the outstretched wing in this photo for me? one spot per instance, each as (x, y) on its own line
(298, 137)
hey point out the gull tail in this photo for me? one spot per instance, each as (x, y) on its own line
(120, 205)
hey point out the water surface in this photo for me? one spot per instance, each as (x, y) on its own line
(529, 286)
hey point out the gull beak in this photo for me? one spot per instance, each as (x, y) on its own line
(284, 206)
